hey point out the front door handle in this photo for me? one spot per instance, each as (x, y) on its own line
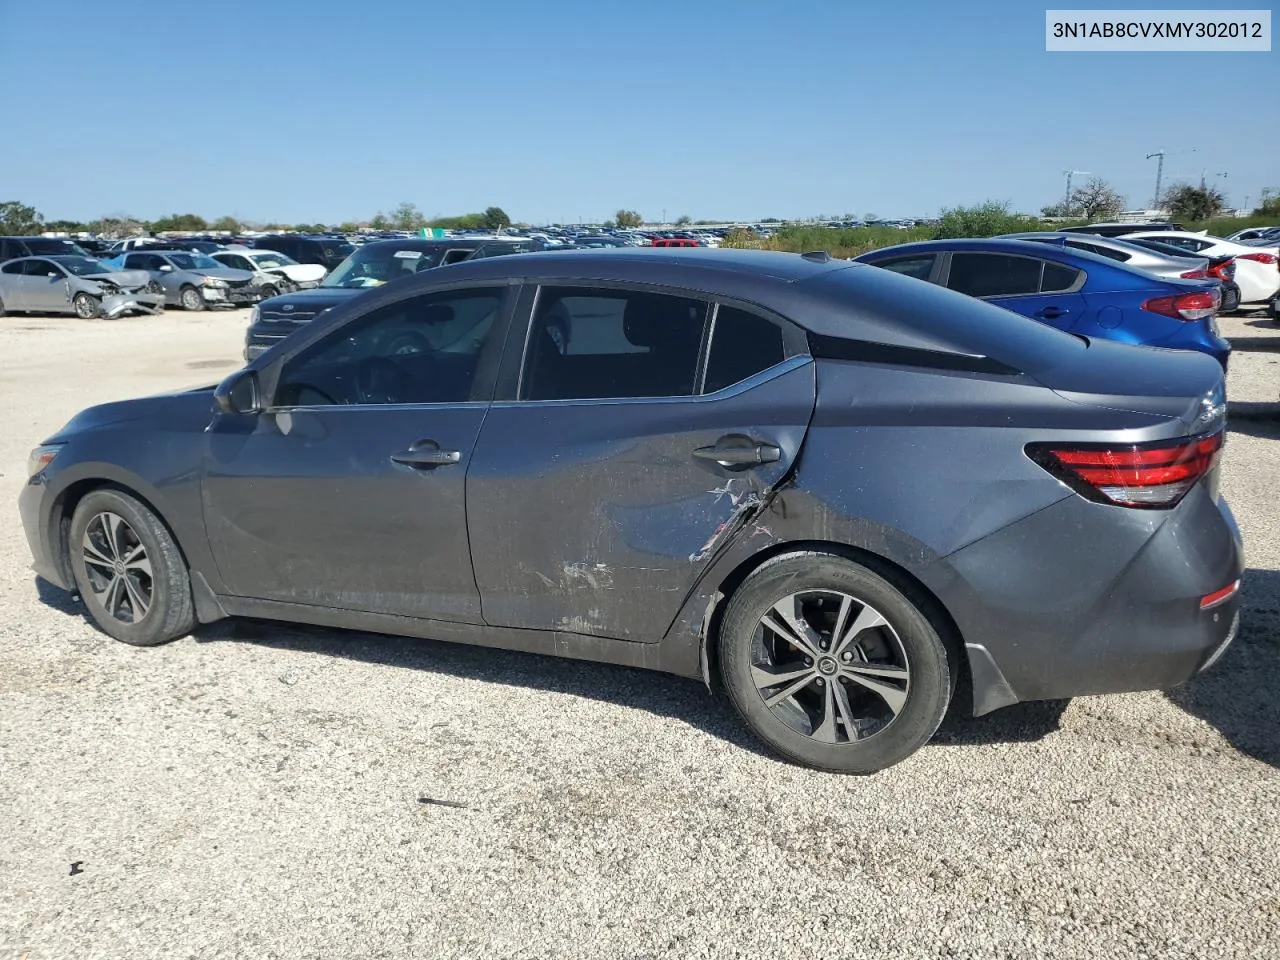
(1051, 313)
(426, 453)
(738, 452)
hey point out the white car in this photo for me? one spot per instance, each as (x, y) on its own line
(275, 270)
(1257, 268)
(1253, 233)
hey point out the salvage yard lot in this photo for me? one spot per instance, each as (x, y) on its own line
(272, 791)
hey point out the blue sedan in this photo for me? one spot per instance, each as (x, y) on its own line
(1069, 289)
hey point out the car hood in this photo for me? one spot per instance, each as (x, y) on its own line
(122, 278)
(189, 409)
(301, 272)
(301, 306)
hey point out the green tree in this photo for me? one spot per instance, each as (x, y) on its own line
(1096, 200)
(1269, 203)
(17, 219)
(985, 220)
(495, 218)
(180, 221)
(466, 221)
(1185, 202)
(348, 226)
(1057, 210)
(407, 216)
(379, 221)
(117, 225)
(228, 224)
(628, 218)
(65, 226)
(684, 220)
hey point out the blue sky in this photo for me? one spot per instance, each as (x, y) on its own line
(302, 110)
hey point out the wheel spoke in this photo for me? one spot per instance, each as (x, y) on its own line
(790, 690)
(110, 528)
(886, 670)
(141, 565)
(796, 632)
(137, 602)
(866, 619)
(770, 676)
(93, 555)
(891, 695)
(111, 596)
(826, 730)
(846, 711)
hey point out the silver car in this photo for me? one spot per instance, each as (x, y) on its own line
(1138, 257)
(72, 284)
(192, 280)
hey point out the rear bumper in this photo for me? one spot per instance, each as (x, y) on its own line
(121, 303)
(1113, 606)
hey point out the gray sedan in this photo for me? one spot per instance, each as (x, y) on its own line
(1123, 251)
(192, 280)
(73, 284)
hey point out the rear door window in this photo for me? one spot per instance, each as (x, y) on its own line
(742, 345)
(40, 268)
(601, 343)
(994, 274)
(918, 267)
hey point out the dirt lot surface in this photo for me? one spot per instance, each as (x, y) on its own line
(260, 791)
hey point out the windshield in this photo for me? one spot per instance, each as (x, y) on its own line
(272, 260)
(83, 266)
(192, 261)
(43, 246)
(378, 263)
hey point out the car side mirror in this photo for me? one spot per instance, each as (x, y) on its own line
(238, 394)
(54, 274)
(165, 268)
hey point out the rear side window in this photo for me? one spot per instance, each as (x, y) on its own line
(1058, 278)
(1108, 252)
(918, 267)
(742, 345)
(993, 274)
(599, 343)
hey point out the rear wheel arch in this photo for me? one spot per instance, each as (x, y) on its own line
(902, 579)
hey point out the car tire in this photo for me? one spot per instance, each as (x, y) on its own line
(890, 682)
(1230, 299)
(269, 291)
(128, 570)
(1273, 309)
(191, 299)
(153, 287)
(86, 306)
(1, 308)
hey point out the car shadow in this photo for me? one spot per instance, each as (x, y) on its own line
(1262, 321)
(1240, 694)
(678, 698)
(1254, 419)
(1254, 344)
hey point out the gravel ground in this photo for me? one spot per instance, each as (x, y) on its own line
(258, 790)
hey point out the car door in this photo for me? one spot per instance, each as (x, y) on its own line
(12, 289)
(1034, 287)
(44, 287)
(349, 490)
(637, 436)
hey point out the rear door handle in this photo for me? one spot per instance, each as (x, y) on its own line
(426, 453)
(736, 451)
(1051, 313)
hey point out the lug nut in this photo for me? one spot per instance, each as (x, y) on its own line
(820, 681)
(846, 656)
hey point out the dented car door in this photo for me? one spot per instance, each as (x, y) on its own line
(596, 514)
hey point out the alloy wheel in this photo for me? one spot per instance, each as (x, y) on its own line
(830, 666)
(191, 299)
(85, 308)
(117, 567)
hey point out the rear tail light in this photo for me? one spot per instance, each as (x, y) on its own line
(1194, 275)
(1188, 306)
(1225, 270)
(1210, 600)
(1259, 257)
(1149, 476)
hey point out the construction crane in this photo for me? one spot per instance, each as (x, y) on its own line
(1066, 197)
(1155, 203)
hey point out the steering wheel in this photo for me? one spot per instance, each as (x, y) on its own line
(379, 380)
(406, 343)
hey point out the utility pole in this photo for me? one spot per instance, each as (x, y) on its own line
(1066, 197)
(1155, 203)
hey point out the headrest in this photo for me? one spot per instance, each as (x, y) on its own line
(437, 313)
(654, 320)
